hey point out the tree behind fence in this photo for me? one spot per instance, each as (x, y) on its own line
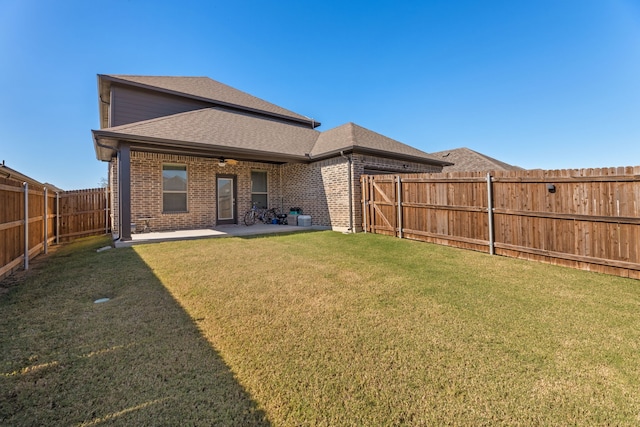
(52, 217)
(587, 219)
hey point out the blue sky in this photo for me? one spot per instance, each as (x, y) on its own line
(549, 84)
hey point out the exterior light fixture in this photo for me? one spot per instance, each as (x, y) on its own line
(551, 188)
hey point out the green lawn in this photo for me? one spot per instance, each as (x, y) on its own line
(318, 328)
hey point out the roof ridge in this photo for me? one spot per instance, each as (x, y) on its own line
(127, 76)
(352, 133)
(352, 136)
(492, 159)
(463, 155)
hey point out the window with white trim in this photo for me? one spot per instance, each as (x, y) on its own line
(174, 188)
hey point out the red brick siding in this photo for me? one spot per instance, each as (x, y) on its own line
(321, 189)
(146, 189)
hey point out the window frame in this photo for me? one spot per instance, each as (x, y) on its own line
(261, 193)
(185, 191)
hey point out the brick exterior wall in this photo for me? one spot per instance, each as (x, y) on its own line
(146, 189)
(321, 189)
(303, 187)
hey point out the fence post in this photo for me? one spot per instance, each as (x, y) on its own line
(26, 225)
(57, 218)
(106, 208)
(364, 183)
(399, 199)
(46, 222)
(490, 213)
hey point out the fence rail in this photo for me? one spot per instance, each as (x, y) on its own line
(587, 219)
(50, 218)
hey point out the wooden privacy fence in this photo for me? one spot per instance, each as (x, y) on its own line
(32, 218)
(587, 219)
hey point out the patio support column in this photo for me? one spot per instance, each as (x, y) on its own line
(124, 182)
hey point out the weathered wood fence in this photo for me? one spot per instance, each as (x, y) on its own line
(587, 219)
(32, 218)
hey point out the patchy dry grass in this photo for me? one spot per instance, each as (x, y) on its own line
(138, 359)
(336, 329)
(317, 329)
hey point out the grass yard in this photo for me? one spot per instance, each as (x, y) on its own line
(317, 328)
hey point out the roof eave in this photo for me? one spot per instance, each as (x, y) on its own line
(381, 153)
(105, 141)
(106, 148)
(104, 98)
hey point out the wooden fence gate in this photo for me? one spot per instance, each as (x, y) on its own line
(587, 219)
(32, 218)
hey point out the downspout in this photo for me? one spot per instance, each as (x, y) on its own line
(349, 174)
(281, 191)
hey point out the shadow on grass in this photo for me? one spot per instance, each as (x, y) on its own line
(137, 359)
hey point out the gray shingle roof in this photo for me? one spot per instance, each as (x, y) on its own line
(205, 88)
(221, 129)
(7, 172)
(466, 160)
(351, 136)
(225, 131)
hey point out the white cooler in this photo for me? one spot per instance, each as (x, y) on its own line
(304, 220)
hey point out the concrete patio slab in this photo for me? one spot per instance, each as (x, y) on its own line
(233, 230)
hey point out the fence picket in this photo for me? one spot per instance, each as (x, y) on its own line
(588, 218)
(31, 218)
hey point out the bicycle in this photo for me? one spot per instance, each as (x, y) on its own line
(260, 214)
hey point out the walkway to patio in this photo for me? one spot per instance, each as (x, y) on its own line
(232, 230)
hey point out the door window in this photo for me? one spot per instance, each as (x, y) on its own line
(225, 198)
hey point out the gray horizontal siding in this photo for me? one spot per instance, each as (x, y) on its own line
(133, 105)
